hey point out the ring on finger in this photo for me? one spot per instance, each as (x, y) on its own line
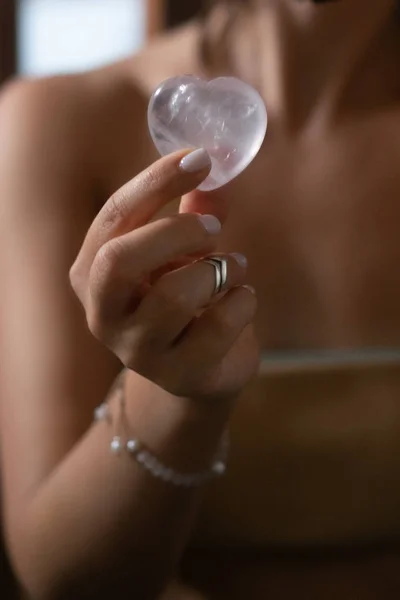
(220, 265)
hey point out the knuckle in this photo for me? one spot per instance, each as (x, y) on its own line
(95, 323)
(106, 263)
(76, 279)
(103, 275)
(115, 209)
(150, 179)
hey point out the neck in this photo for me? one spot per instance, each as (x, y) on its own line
(308, 59)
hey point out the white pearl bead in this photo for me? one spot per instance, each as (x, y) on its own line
(177, 479)
(132, 446)
(168, 474)
(141, 457)
(151, 462)
(101, 412)
(158, 470)
(219, 468)
(116, 445)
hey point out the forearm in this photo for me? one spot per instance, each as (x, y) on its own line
(97, 521)
(101, 522)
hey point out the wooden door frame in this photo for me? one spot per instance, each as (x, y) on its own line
(8, 39)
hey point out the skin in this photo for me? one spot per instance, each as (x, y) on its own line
(314, 458)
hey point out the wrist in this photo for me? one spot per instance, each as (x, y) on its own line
(181, 432)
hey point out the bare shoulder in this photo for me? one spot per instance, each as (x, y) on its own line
(33, 111)
(74, 125)
(92, 126)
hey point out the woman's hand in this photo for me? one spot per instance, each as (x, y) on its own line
(149, 298)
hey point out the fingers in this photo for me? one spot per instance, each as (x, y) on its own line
(216, 330)
(145, 295)
(208, 341)
(177, 297)
(215, 203)
(123, 263)
(140, 199)
(168, 307)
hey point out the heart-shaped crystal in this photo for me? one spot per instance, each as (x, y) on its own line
(225, 116)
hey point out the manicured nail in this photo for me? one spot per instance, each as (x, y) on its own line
(210, 223)
(240, 259)
(198, 160)
(250, 288)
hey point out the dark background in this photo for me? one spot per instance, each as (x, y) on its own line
(178, 11)
(7, 38)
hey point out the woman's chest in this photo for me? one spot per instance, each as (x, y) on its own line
(318, 221)
(320, 230)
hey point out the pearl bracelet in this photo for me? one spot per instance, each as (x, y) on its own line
(153, 465)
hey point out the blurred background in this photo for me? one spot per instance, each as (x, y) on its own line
(43, 37)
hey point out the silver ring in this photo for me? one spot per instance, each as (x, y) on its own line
(220, 265)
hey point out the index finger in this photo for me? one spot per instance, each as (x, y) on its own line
(134, 204)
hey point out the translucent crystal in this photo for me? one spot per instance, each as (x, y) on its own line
(225, 116)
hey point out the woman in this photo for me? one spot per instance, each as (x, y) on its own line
(312, 225)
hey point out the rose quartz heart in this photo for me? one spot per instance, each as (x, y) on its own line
(225, 116)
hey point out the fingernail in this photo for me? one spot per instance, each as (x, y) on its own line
(210, 223)
(250, 288)
(240, 259)
(198, 160)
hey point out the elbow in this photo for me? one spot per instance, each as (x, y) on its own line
(34, 567)
(36, 563)
(43, 574)
(62, 563)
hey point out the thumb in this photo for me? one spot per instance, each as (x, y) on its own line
(206, 203)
